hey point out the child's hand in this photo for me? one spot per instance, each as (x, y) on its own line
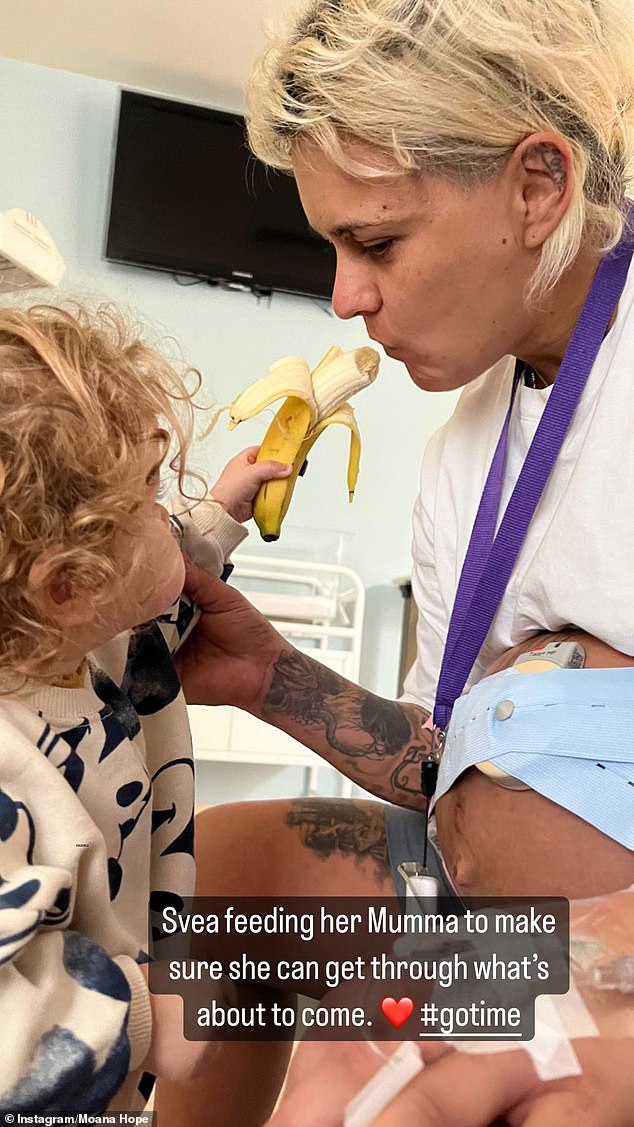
(171, 1056)
(240, 480)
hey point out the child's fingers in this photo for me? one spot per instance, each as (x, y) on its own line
(249, 454)
(272, 467)
(264, 471)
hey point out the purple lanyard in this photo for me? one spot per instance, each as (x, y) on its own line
(490, 557)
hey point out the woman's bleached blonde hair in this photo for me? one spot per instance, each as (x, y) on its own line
(79, 392)
(452, 87)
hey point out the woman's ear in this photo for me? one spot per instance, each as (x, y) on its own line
(56, 597)
(544, 170)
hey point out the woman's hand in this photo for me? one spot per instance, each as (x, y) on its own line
(475, 1091)
(229, 655)
(322, 1080)
(459, 1090)
(240, 480)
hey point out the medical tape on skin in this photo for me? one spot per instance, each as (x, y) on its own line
(384, 1086)
(566, 733)
(614, 977)
(602, 942)
(558, 1020)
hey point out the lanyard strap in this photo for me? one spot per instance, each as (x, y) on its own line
(490, 557)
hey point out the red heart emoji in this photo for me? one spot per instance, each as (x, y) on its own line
(397, 1012)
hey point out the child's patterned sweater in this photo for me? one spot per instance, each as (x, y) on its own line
(96, 830)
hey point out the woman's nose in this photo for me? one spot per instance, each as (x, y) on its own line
(354, 293)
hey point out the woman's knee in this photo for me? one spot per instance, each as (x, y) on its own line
(288, 847)
(236, 845)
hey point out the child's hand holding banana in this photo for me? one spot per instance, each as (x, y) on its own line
(313, 401)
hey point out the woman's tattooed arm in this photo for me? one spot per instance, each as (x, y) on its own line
(378, 743)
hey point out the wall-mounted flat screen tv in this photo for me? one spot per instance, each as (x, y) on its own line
(189, 198)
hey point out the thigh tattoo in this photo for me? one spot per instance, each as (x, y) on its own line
(330, 826)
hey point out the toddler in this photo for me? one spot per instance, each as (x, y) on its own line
(96, 769)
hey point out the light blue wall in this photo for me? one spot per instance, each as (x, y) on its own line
(57, 132)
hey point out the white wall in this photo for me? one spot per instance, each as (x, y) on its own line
(57, 132)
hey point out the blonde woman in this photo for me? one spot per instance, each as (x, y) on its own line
(469, 160)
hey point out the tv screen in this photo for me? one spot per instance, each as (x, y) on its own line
(189, 198)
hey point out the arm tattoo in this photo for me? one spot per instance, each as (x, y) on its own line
(355, 724)
(329, 826)
(378, 743)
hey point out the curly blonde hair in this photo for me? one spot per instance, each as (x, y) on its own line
(453, 86)
(78, 393)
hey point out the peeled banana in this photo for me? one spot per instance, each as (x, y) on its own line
(313, 400)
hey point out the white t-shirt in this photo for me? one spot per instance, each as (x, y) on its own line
(576, 565)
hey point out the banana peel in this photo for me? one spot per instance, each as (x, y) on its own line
(313, 401)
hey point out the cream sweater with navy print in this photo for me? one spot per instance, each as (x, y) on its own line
(96, 830)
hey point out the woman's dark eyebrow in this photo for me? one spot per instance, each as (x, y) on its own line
(349, 228)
